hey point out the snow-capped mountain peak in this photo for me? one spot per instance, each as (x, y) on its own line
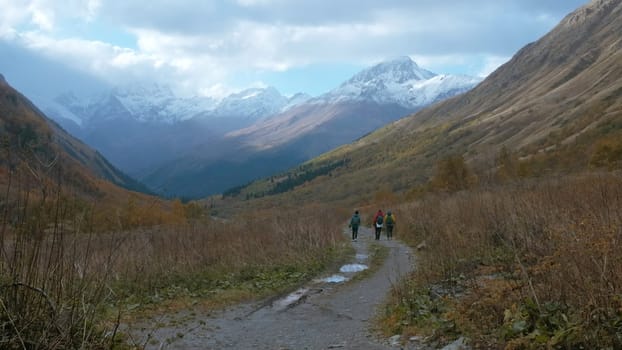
(398, 70)
(398, 81)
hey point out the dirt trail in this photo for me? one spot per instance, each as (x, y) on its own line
(320, 315)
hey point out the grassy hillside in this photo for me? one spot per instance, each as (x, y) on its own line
(30, 134)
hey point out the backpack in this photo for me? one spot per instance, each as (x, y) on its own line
(379, 220)
(356, 220)
(390, 220)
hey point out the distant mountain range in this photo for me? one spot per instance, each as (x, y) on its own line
(157, 104)
(196, 146)
(139, 127)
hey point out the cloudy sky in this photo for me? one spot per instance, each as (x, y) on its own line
(215, 47)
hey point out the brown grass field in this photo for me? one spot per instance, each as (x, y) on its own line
(527, 265)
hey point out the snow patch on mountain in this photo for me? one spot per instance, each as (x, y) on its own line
(254, 103)
(439, 87)
(157, 103)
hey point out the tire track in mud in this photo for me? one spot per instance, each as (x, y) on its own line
(324, 314)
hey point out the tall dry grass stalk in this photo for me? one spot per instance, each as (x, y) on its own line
(552, 242)
(45, 302)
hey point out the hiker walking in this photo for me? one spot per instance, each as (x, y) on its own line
(389, 221)
(378, 221)
(355, 221)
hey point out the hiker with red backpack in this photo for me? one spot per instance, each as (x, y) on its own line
(378, 221)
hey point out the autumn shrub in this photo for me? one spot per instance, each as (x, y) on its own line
(607, 153)
(452, 174)
(532, 262)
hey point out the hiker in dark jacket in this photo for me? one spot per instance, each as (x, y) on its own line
(354, 224)
(378, 221)
(389, 223)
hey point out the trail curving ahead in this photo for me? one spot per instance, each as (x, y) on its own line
(320, 315)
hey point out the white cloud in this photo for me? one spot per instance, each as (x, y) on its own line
(250, 3)
(43, 14)
(91, 9)
(491, 63)
(118, 65)
(108, 61)
(201, 45)
(40, 17)
(10, 16)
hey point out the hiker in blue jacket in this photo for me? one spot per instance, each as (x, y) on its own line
(355, 221)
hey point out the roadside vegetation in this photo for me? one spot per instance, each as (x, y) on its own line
(73, 269)
(520, 263)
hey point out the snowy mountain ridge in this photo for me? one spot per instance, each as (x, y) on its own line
(399, 81)
(157, 103)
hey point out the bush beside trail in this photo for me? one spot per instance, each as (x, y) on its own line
(522, 266)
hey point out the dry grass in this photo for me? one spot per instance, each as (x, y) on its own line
(531, 263)
(218, 254)
(64, 284)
